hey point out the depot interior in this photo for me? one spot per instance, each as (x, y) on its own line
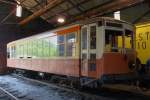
(23, 18)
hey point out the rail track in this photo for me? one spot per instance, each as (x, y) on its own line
(93, 94)
(22, 96)
(11, 94)
(85, 95)
(106, 93)
(5, 95)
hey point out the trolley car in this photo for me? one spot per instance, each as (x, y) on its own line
(93, 50)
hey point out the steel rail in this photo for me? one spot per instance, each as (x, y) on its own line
(9, 94)
(88, 95)
(124, 88)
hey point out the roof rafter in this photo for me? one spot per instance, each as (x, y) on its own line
(12, 12)
(77, 5)
(40, 12)
(105, 8)
(8, 2)
(38, 3)
(74, 5)
(35, 5)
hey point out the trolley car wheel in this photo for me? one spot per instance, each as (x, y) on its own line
(132, 66)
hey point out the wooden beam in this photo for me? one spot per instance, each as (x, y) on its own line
(40, 12)
(74, 5)
(38, 3)
(79, 4)
(8, 2)
(106, 8)
(10, 14)
(140, 17)
(31, 8)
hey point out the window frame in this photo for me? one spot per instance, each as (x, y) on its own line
(74, 43)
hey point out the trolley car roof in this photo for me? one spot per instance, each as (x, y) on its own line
(87, 21)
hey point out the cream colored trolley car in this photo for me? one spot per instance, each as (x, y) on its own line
(87, 51)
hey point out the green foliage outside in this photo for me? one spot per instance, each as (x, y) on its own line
(37, 48)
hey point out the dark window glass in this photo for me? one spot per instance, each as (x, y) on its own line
(84, 58)
(14, 51)
(61, 49)
(71, 38)
(60, 39)
(84, 38)
(71, 45)
(92, 62)
(129, 39)
(93, 37)
(113, 40)
(114, 25)
(100, 23)
(11, 51)
(60, 46)
(71, 49)
(8, 53)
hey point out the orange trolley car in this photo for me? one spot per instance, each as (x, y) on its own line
(93, 50)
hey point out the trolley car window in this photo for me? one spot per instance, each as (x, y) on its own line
(21, 51)
(93, 37)
(45, 47)
(18, 51)
(40, 48)
(128, 39)
(84, 58)
(34, 48)
(84, 38)
(25, 49)
(112, 38)
(29, 49)
(53, 46)
(8, 52)
(92, 62)
(61, 48)
(71, 45)
(71, 38)
(14, 53)
(114, 24)
(11, 51)
(60, 39)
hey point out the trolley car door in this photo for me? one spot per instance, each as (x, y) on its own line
(88, 50)
(84, 51)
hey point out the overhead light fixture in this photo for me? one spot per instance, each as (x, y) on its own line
(18, 10)
(117, 15)
(61, 20)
